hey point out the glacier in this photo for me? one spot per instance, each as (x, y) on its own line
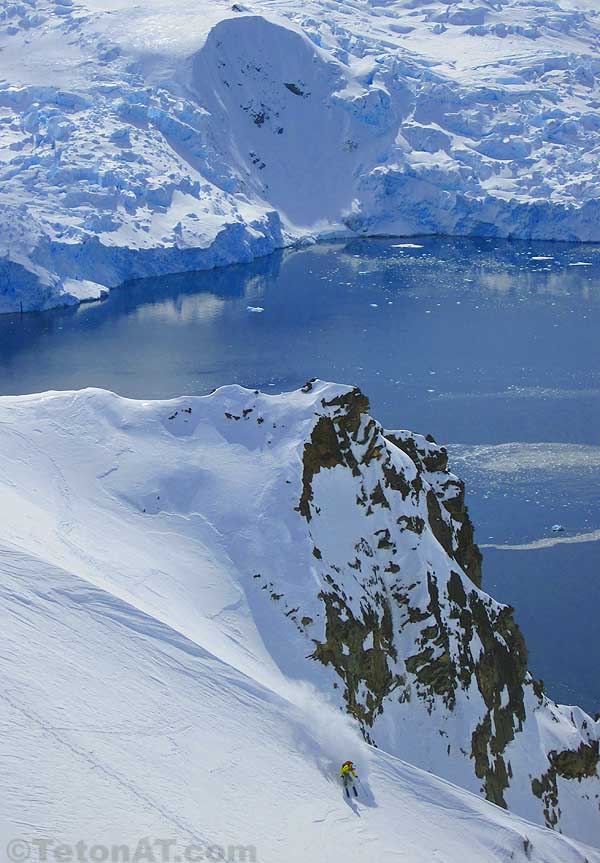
(142, 140)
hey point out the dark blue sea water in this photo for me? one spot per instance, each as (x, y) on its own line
(493, 347)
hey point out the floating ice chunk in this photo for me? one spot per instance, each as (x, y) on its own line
(254, 309)
(581, 264)
(542, 258)
(406, 246)
(374, 305)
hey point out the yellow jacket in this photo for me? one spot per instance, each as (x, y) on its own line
(346, 770)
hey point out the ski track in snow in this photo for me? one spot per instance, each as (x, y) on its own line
(113, 776)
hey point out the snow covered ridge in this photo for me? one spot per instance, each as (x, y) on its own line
(137, 140)
(289, 554)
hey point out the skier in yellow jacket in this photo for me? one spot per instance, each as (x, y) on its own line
(349, 777)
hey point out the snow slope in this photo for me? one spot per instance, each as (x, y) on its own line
(172, 574)
(125, 729)
(137, 140)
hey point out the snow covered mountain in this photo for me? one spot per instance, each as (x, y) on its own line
(208, 603)
(142, 139)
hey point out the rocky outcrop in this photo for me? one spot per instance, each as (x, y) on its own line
(406, 628)
(447, 511)
(578, 765)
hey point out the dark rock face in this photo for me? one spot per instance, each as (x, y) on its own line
(450, 495)
(578, 764)
(344, 649)
(330, 442)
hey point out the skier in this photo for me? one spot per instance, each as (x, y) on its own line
(349, 776)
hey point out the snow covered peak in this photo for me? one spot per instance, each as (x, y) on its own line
(294, 544)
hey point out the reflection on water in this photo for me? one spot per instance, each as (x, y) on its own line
(479, 342)
(475, 341)
(183, 310)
